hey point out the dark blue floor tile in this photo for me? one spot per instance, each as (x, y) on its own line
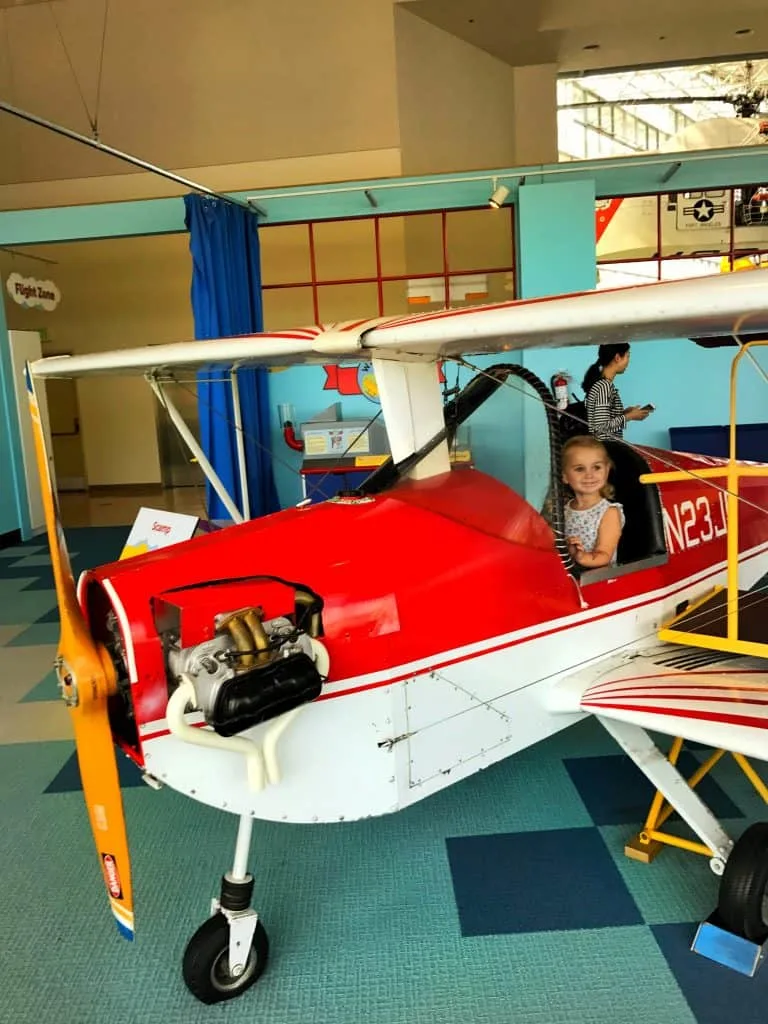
(46, 689)
(92, 547)
(43, 577)
(45, 582)
(88, 546)
(538, 881)
(616, 792)
(714, 993)
(50, 616)
(68, 779)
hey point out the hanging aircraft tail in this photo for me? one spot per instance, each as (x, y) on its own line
(87, 680)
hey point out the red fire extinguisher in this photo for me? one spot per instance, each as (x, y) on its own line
(560, 389)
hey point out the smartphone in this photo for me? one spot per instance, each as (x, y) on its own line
(650, 407)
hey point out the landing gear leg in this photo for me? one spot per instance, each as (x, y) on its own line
(228, 953)
(665, 777)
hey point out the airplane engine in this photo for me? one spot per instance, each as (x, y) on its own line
(250, 671)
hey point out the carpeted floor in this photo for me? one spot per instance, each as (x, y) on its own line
(505, 899)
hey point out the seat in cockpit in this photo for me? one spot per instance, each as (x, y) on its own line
(643, 533)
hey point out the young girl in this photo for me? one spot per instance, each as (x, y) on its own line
(593, 523)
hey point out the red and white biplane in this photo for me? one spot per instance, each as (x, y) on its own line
(346, 659)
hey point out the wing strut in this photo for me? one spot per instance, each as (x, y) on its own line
(665, 777)
(240, 443)
(191, 442)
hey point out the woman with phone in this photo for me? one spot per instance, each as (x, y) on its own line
(606, 415)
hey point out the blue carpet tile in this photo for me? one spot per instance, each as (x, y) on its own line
(526, 882)
(37, 633)
(67, 780)
(714, 993)
(50, 616)
(616, 792)
(46, 689)
(503, 899)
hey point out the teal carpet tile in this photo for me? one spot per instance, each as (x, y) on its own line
(504, 899)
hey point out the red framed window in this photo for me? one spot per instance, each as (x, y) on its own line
(326, 271)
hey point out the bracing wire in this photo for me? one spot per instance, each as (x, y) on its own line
(91, 120)
(101, 68)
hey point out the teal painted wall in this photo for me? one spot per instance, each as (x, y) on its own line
(556, 242)
(302, 388)
(556, 253)
(556, 238)
(617, 177)
(13, 514)
(688, 385)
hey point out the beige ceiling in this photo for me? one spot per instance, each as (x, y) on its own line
(625, 32)
(196, 83)
(192, 83)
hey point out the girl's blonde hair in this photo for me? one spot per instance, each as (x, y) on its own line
(589, 441)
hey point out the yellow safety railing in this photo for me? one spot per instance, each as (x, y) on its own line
(732, 472)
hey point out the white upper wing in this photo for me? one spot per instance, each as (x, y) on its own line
(677, 309)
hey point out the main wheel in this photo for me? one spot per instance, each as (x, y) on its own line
(743, 902)
(206, 961)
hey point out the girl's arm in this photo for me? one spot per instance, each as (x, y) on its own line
(608, 536)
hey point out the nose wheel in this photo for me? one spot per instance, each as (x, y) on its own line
(207, 968)
(228, 952)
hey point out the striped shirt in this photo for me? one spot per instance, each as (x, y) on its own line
(604, 409)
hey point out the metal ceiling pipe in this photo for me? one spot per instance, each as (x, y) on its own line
(127, 157)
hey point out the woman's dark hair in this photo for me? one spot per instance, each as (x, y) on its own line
(605, 355)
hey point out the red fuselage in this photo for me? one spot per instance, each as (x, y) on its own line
(422, 569)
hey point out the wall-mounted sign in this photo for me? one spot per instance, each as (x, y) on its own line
(359, 380)
(352, 380)
(30, 292)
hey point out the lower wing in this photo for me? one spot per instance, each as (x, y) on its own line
(718, 700)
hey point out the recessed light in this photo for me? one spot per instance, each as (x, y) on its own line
(743, 32)
(591, 46)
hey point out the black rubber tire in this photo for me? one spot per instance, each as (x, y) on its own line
(206, 968)
(743, 901)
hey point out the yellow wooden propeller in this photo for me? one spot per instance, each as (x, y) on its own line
(87, 679)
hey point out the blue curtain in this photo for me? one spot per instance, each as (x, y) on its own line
(226, 300)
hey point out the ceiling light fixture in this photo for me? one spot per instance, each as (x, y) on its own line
(498, 197)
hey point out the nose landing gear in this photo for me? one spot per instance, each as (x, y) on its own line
(207, 967)
(228, 952)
